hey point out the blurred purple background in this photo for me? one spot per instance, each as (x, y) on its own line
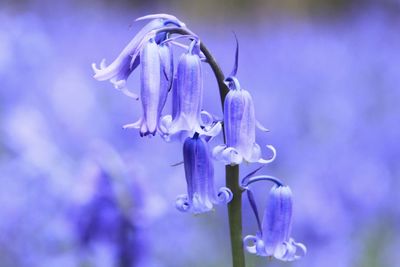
(77, 190)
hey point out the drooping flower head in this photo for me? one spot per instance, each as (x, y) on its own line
(240, 126)
(126, 62)
(156, 81)
(188, 98)
(274, 238)
(199, 173)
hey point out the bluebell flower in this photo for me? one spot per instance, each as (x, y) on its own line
(156, 80)
(240, 125)
(199, 172)
(127, 61)
(274, 238)
(187, 100)
(100, 214)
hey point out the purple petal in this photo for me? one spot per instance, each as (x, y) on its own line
(199, 173)
(163, 17)
(121, 67)
(277, 218)
(150, 86)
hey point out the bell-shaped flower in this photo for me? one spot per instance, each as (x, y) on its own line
(188, 99)
(156, 80)
(199, 172)
(120, 69)
(274, 236)
(240, 125)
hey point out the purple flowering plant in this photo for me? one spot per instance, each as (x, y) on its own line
(151, 52)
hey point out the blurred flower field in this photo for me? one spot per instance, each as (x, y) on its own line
(78, 190)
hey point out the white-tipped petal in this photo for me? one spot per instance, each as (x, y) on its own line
(135, 125)
(224, 195)
(255, 154)
(231, 156)
(165, 124)
(217, 152)
(213, 131)
(103, 64)
(251, 248)
(128, 93)
(300, 247)
(182, 203)
(206, 118)
(95, 69)
(261, 127)
(266, 161)
(157, 16)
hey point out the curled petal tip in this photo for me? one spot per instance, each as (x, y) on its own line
(224, 195)
(251, 248)
(166, 17)
(211, 131)
(290, 251)
(232, 156)
(135, 125)
(126, 91)
(228, 155)
(119, 85)
(95, 69)
(266, 161)
(157, 16)
(300, 248)
(103, 64)
(303, 249)
(182, 203)
(254, 245)
(207, 119)
(261, 127)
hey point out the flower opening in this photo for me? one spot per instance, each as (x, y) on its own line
(186, 119)
(240, 125)
(274, 239)
(199, 173)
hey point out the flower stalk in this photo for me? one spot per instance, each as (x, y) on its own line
(235, 215)
(231, 176)
(231, 172)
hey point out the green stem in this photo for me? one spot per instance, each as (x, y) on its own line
(235, 215)
(231, 177)
(231, 172)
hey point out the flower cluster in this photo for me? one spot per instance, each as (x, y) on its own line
(151, 49)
